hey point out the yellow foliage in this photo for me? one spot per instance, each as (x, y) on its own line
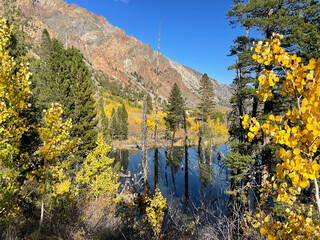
(54, 154)
(155, 212)
(96, 175)
(299, 133)
(14, 91)
(137, 120)
(55, 136)
(218, 128)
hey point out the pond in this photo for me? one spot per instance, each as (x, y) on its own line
(200, 182)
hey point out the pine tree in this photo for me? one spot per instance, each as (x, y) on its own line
(303, 36)
(44, 51)
(122, 117)
(175, 111)
(79, 102)
(62, 76)
(104, 119)
(114, 125)
(206, 105)
(40, 68)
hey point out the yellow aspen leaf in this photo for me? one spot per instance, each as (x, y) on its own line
(251, 135)
(296, 151)
(282, 152)
(310, 126)
(267, 219)
(312, 64)
(256, 224)
(309, 76)
(304, 102)
(263, 231)
(304, 183)
(316, 167)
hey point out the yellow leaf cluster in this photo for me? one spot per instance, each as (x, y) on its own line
(55, 136)
(298, 132)
(155, 212)
(96, 174)
(14, 91)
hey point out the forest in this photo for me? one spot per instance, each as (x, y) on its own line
(85, 157)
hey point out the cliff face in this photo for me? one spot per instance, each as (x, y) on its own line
(108, 49)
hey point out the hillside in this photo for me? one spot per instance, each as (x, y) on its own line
(109, 50)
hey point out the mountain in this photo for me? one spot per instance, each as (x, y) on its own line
(107, 49)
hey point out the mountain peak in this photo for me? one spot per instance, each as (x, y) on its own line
(108, 49)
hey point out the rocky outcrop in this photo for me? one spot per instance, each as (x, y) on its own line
(108, 49)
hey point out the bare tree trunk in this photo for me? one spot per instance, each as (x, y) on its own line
(204, 159)
(172, 173)
(317, 194)
(255, 98)
(211, 145)
(144, 145)
(186, 171)
(268, 108)
(200, 137)
(42, 208)
(156, 118)
(156, 169)
(42, 200)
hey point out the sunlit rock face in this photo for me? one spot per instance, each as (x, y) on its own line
(108, 49)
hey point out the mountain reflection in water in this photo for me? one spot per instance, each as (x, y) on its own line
(203, 182)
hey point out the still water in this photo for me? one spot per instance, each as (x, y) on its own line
(200, 182)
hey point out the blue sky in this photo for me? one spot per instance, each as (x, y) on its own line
(194, 33)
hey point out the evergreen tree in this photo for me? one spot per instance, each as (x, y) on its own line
(104, 120)
(175, 111)
(79, 102)
(122, 117)
(62, 76)
(44, 51)
(206, 105)
(40, 69)
(303, 36)
(114, 125)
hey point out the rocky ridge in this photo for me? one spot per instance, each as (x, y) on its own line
(108, 49)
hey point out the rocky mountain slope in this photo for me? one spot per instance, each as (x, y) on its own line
(110, 51)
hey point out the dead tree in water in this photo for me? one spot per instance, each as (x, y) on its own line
(144, 144)
(156, 150)
(186, 176)
(211, 144)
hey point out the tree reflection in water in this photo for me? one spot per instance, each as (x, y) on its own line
(193, 181)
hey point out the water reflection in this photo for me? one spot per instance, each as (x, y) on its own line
(121, 159)
(196, 180)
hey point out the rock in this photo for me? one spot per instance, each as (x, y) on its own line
(109, 50)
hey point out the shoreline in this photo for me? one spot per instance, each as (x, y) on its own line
(135, 145)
